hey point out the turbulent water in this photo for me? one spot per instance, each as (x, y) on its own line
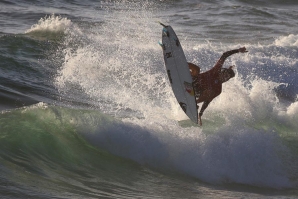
(87, 110)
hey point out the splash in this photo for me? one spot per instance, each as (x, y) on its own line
(53, 28)
(119, 65)
(292, 110)
(51, 23)
(116, 63)
(291, 40)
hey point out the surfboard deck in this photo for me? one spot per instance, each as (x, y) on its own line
(178, 72)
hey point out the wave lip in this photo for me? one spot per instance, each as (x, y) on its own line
(291, 40)
(51, 23)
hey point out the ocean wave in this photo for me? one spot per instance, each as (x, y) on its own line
(40, 149)
(74, 141)
(48, 135)
(290, 40)
(53, 27)
(115, 126)
(248, 109)
(51, 23)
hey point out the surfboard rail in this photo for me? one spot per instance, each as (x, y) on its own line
(178, 72)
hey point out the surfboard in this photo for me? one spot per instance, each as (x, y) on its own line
(178, 72)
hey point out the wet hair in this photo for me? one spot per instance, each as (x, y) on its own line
(229, 71)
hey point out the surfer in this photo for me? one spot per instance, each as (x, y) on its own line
(208, 85)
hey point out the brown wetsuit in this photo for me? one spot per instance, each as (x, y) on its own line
(208, 85)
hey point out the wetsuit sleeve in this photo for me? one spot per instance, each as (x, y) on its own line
(223, 58)
(205, 105)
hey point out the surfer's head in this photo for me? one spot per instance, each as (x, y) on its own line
(226, 74)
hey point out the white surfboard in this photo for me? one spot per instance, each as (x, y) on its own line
(178, 72)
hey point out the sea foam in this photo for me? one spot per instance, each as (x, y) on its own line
(51, 23)
(290, 40)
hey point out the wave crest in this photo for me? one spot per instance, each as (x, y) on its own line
(291, 40)
(51, 23)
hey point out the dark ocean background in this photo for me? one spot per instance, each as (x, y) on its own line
(87, 111)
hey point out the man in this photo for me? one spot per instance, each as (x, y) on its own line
(208, 85)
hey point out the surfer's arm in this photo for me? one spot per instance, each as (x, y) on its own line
(225, 55)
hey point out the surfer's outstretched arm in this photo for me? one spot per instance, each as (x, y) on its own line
(225, 55)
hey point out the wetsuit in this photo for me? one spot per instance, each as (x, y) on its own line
(208, 85)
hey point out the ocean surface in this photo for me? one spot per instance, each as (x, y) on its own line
(87, 111)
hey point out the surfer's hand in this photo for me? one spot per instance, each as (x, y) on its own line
(242, 50)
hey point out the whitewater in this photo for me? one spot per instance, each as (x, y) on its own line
(88, 111)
